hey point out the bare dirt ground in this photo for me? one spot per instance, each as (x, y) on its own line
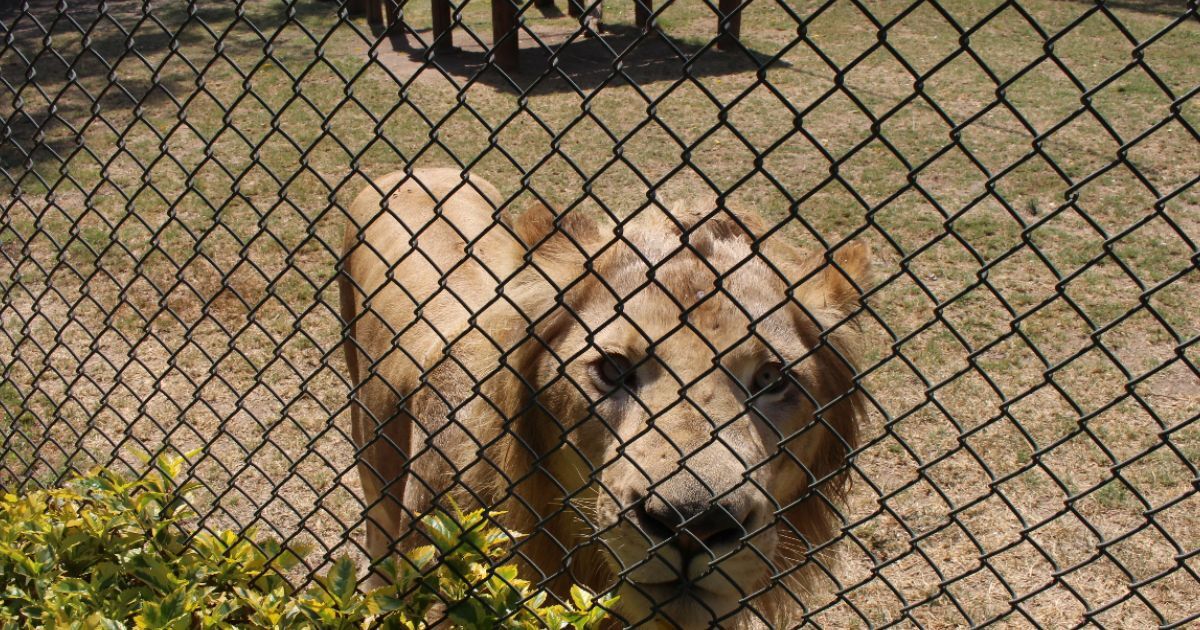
(175, 181)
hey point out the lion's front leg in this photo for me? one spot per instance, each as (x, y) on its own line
(383, 443)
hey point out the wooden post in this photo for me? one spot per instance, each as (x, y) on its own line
(505, 37)
(641, 12)
(443, 33)
(394, 24)
(727, 38)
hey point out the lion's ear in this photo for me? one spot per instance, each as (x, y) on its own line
(559, 243)
(839, 284)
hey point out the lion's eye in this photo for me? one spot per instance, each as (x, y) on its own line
(614, 370)
(770, 379)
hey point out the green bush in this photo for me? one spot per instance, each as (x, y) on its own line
(106, 551)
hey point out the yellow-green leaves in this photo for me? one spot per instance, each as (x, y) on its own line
(341, 582)
(456, 579)
(109, 552)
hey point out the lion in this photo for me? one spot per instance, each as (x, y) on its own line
(666, 404)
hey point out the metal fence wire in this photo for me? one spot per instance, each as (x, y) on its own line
(761, 314)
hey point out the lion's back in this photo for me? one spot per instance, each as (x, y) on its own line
(408, 259)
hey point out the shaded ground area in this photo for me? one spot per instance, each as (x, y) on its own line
(558, 57)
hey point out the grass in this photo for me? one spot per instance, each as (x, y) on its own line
(1029, 340)
(13, 404)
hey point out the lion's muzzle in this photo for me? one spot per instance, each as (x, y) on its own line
(691, 528)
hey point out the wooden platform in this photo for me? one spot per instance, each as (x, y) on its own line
(506, 24)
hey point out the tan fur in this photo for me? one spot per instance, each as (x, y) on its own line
(476, 381)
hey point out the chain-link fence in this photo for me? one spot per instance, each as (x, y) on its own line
(644, 325)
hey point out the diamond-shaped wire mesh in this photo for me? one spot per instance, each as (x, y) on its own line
(633, 309)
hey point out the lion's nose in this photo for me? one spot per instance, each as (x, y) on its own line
(694, 526)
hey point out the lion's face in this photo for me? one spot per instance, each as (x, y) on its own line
(699, 403)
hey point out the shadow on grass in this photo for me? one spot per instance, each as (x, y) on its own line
(67, 73)
(564, 60)
(1169, 8)
(63, 72)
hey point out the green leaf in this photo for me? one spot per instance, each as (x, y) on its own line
(342, 581)
(169, 612)
(442, 530)
(469, 613)
(536, 600)
(420, 558)
(152, 571)
(71, 585)
(581, 597)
